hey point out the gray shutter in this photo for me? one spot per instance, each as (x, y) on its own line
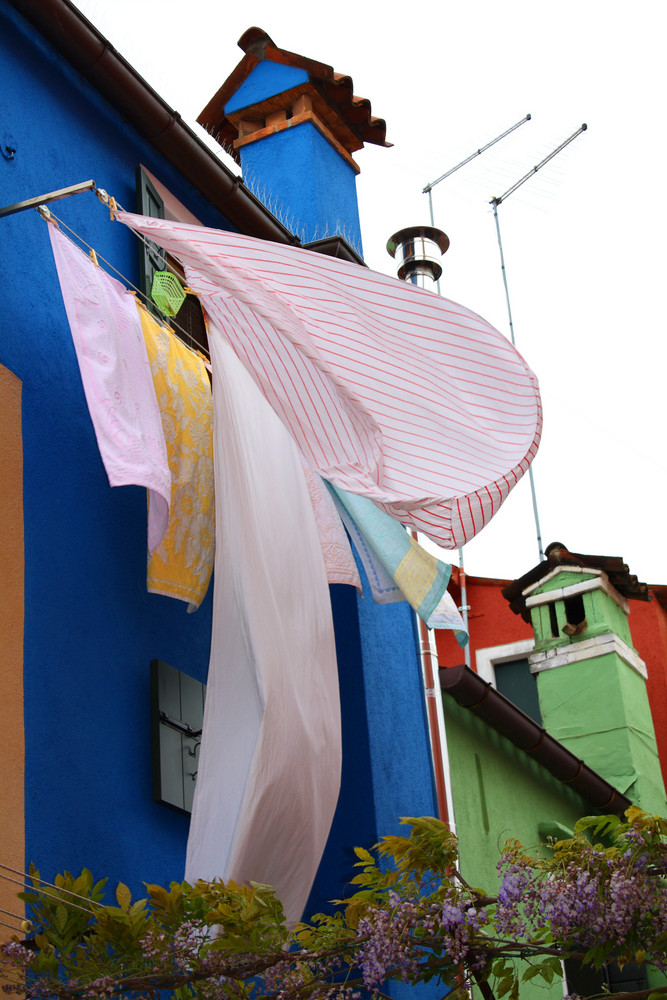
(515, 680)
(151, 257)
(177, 713)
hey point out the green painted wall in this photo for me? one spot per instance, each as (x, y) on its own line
(499, 792)
(598, 708)
(597, 705)
(602, 614)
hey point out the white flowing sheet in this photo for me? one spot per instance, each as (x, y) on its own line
(390, 391)
(117, 379)
(269, 772)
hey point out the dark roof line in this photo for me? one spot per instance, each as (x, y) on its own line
(620, 577)
(95, 58)
(335, 89)
(481, 698)
(255, 41)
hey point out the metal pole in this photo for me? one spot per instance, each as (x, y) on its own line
(522, 180)
(495, 202)
(533, 492)
(502, 268)
(473, 155)
(428, 655)
(42, 199)
(430, 209)
(427, 190)
(464, 609)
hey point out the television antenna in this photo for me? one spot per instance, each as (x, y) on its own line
(498, 201)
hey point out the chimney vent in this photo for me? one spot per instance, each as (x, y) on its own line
(417, 250)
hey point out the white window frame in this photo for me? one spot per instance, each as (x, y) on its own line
(486, 659)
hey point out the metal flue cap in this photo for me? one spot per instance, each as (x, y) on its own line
(417, 249)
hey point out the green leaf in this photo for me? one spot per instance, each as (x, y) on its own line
(60, 918)
(547, 974)
(504, 986)
(364, 855)
(123, 896)
(531, 972)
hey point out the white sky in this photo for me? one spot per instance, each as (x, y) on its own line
(584, 239)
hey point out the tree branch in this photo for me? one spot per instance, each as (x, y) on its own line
(484, 988)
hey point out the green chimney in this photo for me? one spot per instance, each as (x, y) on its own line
(591, 682)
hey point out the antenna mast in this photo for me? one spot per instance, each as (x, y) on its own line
(427, 190)
(429, 187)
(495, 202)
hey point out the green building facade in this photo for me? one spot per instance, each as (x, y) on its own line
(588, 748)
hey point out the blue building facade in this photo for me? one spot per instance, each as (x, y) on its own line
(84, 630)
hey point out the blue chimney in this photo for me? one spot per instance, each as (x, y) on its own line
(293, 124)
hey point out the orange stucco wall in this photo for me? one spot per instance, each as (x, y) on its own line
(12, 838)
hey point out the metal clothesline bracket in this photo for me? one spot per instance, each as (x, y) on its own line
(43, 199)
(180, 727)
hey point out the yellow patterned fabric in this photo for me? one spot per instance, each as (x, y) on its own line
(417, 573)
(181, 565)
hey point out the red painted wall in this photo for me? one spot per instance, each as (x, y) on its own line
(492, 623)
(648, 624)
(490, 620)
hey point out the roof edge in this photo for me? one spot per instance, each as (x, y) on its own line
(557, 556)
(480, 697)
(92, 55)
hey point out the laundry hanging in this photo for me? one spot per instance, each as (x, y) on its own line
(269, 770)
(398, 568)
(391, 392)
(116, 379)
(336, 549)
(181, 565)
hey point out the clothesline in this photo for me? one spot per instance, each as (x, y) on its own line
(42, 881)
(403, 401)
(168, 321)
(157, 393)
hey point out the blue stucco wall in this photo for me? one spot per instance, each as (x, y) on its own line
(91, 628)
(297, 173)
(305, 182)
(266, 80)
(387, 771)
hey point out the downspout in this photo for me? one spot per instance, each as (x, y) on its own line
(436, 721)
(417, 249)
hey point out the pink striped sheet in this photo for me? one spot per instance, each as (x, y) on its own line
(389, 390)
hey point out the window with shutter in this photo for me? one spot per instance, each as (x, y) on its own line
(151, 257)
(189, 320)
(585, 981)
(515, 680)
(177, 716)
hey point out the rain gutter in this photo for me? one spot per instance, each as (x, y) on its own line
(89, 52)
(481, 698)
